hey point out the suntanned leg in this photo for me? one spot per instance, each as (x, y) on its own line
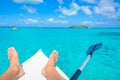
(15, 70)
(49, 70)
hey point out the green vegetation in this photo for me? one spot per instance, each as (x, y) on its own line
(79, 26)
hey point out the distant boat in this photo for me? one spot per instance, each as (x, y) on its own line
(14, 27)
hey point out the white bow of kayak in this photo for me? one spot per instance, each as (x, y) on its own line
(34, 65)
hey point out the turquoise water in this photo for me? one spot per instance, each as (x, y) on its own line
(71, 45)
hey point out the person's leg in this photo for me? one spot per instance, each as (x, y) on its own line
(49, 70)
(15, 70)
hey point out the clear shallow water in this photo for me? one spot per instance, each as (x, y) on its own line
(71, 45)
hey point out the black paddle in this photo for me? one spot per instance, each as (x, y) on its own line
(89, 52)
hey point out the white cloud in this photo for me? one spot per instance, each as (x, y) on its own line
(73, 10)
(29, 9)
(86, 10)
(29, 1)
(107, 8)
(96, 9)
(75, 6)
(63, 21)
(101, 22)
(31, 21)
(52, 20)
(60, 1)
(86, 22)
(90, 1)
(3, 24)
(61, 16)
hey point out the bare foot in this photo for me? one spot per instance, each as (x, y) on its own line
(14, 62)
(51, 63)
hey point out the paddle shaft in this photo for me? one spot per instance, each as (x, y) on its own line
(90, 51)
(78, 72)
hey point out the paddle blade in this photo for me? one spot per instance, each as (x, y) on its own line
(93, 48)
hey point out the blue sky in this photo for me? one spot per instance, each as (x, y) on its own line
(60, 13)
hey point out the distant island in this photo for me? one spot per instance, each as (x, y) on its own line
(79, 26)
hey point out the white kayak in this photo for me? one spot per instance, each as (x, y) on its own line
(34, 65)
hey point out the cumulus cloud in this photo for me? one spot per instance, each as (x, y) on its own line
(29, 1)
(60, 1)
(31, 21)
(90, 1)
(100, 22)
(73, 10)
(86, 10)
(96, 9)
(61, 16)
(52, 20)
(63, 21)
(29, 9)
(107, 8)
(86, 22)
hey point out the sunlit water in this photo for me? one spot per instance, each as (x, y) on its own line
(71, 44)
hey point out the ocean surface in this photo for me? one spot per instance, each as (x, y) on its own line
(71, 44)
